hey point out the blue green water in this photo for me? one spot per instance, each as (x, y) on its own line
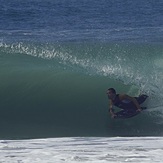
(57, 59)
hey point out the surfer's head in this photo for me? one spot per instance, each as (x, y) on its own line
(111, 93)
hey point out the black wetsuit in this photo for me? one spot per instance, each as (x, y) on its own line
(128, 105)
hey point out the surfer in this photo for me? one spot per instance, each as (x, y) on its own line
(123, 101)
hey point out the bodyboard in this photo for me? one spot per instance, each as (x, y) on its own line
(123, 114)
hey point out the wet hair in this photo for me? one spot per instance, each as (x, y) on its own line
(112, 90)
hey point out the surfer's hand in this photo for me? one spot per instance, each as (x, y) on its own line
(113, 115)
(138, 110)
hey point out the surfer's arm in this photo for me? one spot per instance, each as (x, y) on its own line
(124, 96)
(111, 109)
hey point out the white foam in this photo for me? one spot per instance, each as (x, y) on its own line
(83, 149)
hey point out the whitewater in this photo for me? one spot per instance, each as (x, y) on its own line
(80, 149)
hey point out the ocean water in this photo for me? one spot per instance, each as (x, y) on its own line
(82, 149)
(58, 58)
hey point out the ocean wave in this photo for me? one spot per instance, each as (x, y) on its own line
(59, 89)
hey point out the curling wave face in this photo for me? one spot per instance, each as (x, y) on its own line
(59, 89)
